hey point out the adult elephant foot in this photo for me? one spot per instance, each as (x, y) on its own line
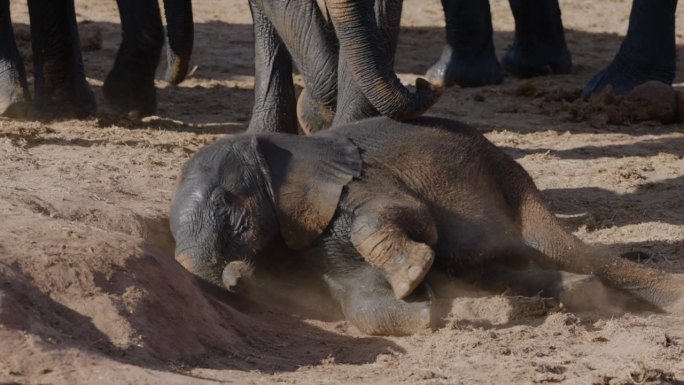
(15, 109)
(539, 47)
(61, 89)
(368, 302)
(622, 78)
(536, 57)
(125, 96)
(466, 71)
(65, 99)
(14, 99)
(647, 52)
(468, 58)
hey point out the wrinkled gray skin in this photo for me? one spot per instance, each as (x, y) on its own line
(61, 89)
(372, 206)
(346, 61)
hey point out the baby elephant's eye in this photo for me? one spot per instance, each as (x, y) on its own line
(222, 198)
(228, 211)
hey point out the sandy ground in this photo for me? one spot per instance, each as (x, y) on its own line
(90, 293)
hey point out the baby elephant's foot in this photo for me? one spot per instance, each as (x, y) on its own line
(395, 238)
(406, 269)
(380, 313)
(585, 292)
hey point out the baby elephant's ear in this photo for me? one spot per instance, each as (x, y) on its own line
(307, 177)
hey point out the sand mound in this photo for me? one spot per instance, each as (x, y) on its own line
(92, 283)
(106, 288)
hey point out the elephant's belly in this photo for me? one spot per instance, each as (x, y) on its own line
(471, 240)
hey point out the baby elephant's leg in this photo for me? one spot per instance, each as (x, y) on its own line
(397, 238)
(368, 302)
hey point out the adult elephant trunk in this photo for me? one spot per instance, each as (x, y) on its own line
(371, 65)
(179, 36)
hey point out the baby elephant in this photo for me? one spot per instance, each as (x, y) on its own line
(371, 206)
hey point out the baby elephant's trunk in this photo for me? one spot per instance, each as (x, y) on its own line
(232, 277)
(234, 274)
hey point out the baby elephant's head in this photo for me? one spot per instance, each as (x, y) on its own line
(222, 214)
(238, 196)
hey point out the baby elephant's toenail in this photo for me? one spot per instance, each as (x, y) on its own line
(414, 272)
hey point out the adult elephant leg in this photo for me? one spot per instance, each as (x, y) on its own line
(59, 78)
(180, 36)
(312, 44)
(14, 94)
(647, 52)
(539, 46)
(129, 86)
(370, 63)
(468, 58)
(274, 97)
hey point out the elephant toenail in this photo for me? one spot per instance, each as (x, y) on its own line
(414, 272)
(402, 290)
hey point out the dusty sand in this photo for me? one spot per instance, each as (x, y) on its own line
(90, 293)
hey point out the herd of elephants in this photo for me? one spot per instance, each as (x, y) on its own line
(375, 198)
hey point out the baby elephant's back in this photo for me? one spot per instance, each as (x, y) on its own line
(469, 184)
(430, 153)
